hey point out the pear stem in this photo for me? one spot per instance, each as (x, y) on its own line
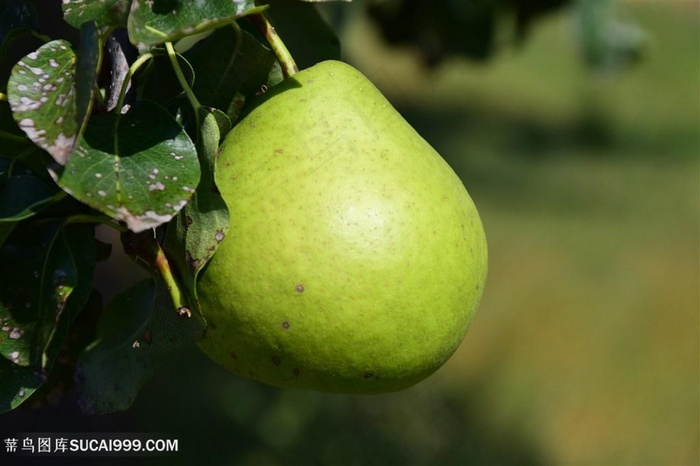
(289, 66)
(145, 250)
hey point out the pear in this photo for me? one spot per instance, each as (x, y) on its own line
(355, 258)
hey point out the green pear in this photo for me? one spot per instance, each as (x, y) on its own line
(355, 258)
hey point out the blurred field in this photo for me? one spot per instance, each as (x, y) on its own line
(586, 347)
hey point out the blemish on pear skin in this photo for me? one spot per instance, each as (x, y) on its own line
(276, 360)
(296, 371)
(368, 375)
(285, 325)
(299, 288)
(234, 355)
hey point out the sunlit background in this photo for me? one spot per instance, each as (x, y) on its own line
(586, 347)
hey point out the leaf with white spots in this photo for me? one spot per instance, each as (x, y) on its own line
(17, 383)
(153, 22)
(49, 102)
(138, 333)
(22, 257)
(140, 168)
(104, 12)
(42, 97)
(45, 281)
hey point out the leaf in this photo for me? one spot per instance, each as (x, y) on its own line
(104, 12)
(153, 22)
(229, 68)
(138, 333)
(140, 167)
(48, 102)
(41, 95)
(87, 67)
(45, 281)
(22, 193)
(22, 258)
(17, 383)
(197, 232)
(66, 285)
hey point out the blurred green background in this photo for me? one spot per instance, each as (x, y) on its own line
(586, 346)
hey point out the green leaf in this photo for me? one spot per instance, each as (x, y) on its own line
(138, 333)
(140, 168)
(66, 285)
(49, 103)
(197, 232)
(229, 68)
(87, 67)
(22, 193)
(17, 383)
(104, 12)
(44, 283)
(158, 21)
(21, 275)
(42, 97)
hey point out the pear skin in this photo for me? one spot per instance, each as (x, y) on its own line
(355, 259)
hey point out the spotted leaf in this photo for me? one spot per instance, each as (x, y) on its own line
(153, 22)
(17, 383)
(140, 167)
(22, 258)
(104, 12)
(137, 343)
(45, 282)
(42, 97)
